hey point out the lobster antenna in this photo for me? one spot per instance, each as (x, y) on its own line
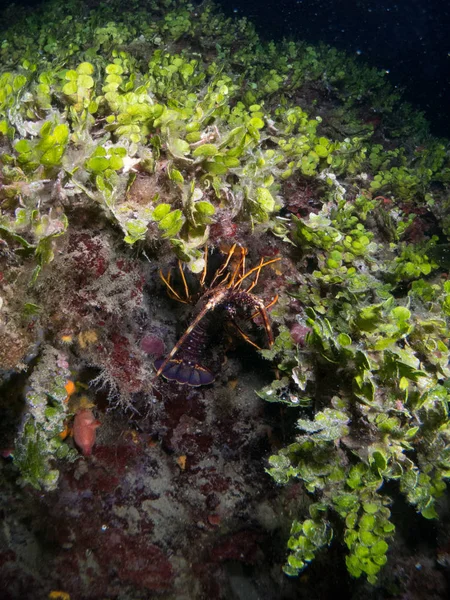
(258, 268)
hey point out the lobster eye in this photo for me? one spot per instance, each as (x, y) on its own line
(231, 309)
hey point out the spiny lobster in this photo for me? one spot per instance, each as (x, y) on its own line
(224, 294)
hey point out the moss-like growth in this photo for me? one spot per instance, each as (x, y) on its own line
(40, 440)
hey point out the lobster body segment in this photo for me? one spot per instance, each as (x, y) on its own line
(224, 298)
(186, 366)
(185, 372)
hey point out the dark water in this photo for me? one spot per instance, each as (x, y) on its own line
(409, 39)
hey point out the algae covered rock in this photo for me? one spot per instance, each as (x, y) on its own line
(145, 132)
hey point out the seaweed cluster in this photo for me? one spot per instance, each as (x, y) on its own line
(166, 127)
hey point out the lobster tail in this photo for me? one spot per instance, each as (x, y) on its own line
(185, 372)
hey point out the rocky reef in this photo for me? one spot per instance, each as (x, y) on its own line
(159, 155)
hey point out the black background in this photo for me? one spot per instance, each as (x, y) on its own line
(408, 38)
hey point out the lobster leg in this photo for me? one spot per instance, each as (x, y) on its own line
(178, 345)
(252, 285)
(186, 289)
(240, 268)
(205, 268)
(265, 317)
(246, 337)
(175, 294)
(183, 371)
(262, 311)
(271, 303)
(220, 271)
